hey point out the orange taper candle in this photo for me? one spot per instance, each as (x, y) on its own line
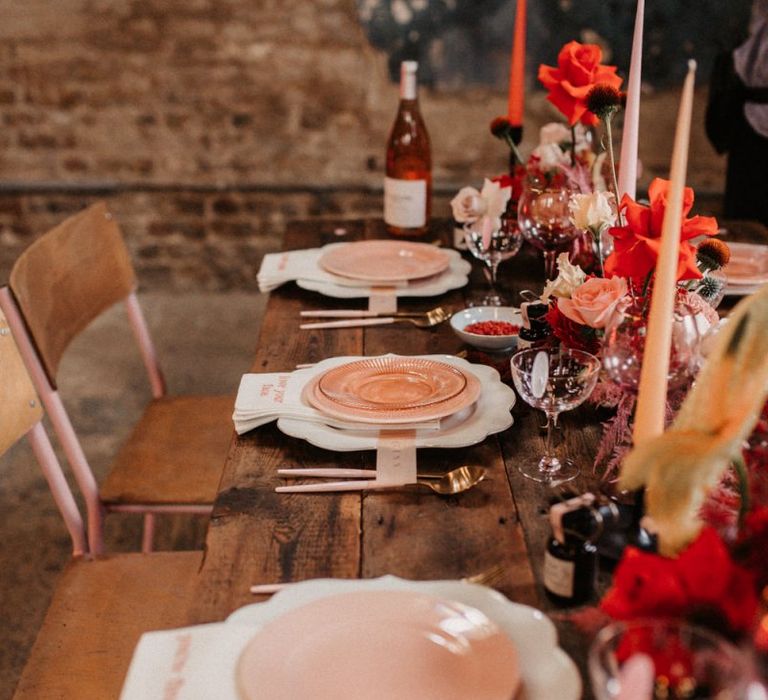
(517, 68)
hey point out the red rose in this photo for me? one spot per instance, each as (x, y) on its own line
(570, 333)
(578, 71)
(636, 245)
(703, 577)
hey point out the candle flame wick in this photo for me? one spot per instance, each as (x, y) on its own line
(691, 65)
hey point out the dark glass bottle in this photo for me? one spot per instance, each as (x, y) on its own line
(536, 331)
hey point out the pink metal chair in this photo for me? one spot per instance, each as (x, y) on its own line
(101, 606)
(172, 462)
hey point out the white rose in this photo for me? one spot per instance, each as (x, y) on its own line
(593, 212)
(468, 206)
(583, 139)
(554, 132)
(496, 199)
(551, 156)
(569, 278)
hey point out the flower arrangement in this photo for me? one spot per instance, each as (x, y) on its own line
(710, 567)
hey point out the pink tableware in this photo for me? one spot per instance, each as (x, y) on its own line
(393, 390)
(379, 645)
(748, 264)
(385, 261)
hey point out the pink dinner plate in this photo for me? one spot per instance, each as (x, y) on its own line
(748, 264)
(380, 645)
(392, 383)
(400, 375)
(384, 261)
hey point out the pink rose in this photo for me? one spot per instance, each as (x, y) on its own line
(594, 302)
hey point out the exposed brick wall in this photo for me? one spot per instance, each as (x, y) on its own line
(177, 95)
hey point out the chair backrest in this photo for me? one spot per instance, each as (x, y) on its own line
(67, 277)
(20, 408)
(20, 415)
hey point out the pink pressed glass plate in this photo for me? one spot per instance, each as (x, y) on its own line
(392, 383)
(748, 264)
(380, 645)
(384, 261)
(404, 394)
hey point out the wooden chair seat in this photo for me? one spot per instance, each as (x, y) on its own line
(175, 453)
(99, 611)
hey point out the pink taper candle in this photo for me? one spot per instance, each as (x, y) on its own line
(629, 138)
(652, 392)
(517, 68)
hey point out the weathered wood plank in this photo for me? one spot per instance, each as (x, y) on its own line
(257, 535)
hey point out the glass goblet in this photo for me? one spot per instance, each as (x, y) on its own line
(492, 245)
(553, 380)
(624, 346)
(544, 219)
(680, 661)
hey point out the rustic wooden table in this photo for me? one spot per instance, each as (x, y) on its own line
(258, 536)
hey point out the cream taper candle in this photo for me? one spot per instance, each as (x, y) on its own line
(652, 392)
(629, 138)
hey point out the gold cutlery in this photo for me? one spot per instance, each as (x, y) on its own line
(430, 319)
(364, 313)
(453, 482)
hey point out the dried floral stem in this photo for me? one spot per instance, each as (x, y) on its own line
(513, 148)
(611, 159)
(573, 144)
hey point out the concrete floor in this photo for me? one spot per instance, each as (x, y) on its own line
(205, 342)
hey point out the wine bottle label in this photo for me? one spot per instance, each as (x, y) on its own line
(405, 202)
(558, 576)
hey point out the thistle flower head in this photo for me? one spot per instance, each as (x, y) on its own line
(500, 127)
(709, 288)
(712, 254)
(603, 101)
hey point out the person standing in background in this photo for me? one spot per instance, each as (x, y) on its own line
(737, 120)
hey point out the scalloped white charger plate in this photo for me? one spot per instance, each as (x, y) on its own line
(490, 414)
(547, 671)
(455, 277)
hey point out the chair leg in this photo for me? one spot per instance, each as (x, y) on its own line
(148, 537)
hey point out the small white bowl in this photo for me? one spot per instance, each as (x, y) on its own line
(461, 319)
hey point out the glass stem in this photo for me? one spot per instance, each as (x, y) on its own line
(494, 265)
(550, 261)
(549, 441)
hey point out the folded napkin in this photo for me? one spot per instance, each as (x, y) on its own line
(191, 663)
(279, 268)
(262, 398)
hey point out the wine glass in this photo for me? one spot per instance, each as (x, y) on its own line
(553, 380)
(667, 659)
(545, 221)
(492, 245)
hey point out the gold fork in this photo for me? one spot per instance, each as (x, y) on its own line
(428, 320)
(361, 313)
(431, 318)
(489, 577)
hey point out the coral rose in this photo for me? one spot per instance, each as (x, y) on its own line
(578, 71)
(594, 302)
(636, 245)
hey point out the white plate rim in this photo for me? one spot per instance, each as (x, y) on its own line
(455, 277)
(547, 671)
(492, 414)
(751, 282)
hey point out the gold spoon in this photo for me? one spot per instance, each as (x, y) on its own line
(455, 481)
